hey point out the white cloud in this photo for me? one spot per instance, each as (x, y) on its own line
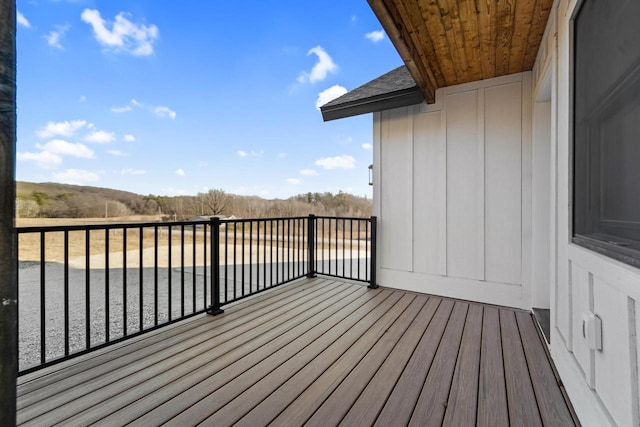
(241, 153)
(294, 181)
(354, 18)
(324, 66)
(82, 99)
(375, 36)
(160, 110)
(117, 153)
(23, 21)
(338, 162)
(130, 171)
(367, 146)
(100, 137)
(180, 172)
(54, 36)
(64, 148)
(44, 159)
(121, 109)
(129, 138)
(282, 155)
(255, 153)
(164, 112)
(329, 95)
(124, 35)
(66, 129)
(76, 176)
(308, 172)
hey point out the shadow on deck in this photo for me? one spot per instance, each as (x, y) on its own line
(316, 352)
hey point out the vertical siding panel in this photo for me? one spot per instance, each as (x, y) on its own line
(580, 303)
(396, 188)
(462, 194)
(480, 182)
(503, 181)
(613, 374)
(428, 161)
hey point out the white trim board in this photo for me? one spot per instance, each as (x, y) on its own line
(467, 289)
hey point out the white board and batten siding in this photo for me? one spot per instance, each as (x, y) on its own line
(452, 185)
(603, 385)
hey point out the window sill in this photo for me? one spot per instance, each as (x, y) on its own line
(627, 252)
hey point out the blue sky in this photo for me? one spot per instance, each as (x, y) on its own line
(166, 97)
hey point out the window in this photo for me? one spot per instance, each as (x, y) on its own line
(606, 209)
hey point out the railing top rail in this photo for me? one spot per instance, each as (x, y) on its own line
(108, 226)
(118, 225)
(349, 218)
(239, 220)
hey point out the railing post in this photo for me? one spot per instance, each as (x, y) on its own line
(372, 275)
(214, 308)
(311, 242)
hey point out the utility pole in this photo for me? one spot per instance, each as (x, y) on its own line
(8, 242)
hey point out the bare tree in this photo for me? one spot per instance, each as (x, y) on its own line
(8, 255)
(216, 202)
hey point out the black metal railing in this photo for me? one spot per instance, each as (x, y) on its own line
(84, 287)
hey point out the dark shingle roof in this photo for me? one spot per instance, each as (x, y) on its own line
(392, 90)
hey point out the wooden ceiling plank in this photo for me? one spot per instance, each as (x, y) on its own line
(505, 10)
(456, 38)
(415, 47)
(469, 21)
(538, 25)
(422, 38)
(487, 23)
(521, 29)
(432, 17)
(401, 41)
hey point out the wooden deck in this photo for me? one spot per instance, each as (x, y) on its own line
(316, 352)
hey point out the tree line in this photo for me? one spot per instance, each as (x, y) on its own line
(50, 200)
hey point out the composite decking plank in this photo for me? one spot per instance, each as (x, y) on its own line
(182, 393)
(310, 363)
(553, 409)
(110, 358)
(523, 409)
(160, 365)
(432, 402)
(461, 408)
(195, 404)
(240, 308)
(121, 363)
(366, 408)
(400, 404)
(273, 405)
(492, 395)
(359, 355)
(330, 397)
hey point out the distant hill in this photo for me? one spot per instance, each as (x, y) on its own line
(55, 200)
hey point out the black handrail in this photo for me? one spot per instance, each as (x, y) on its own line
(120, 302)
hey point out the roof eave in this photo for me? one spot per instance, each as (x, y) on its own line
(419, 69)
(387, 101)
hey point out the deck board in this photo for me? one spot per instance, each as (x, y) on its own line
(317, 351)
(492, 394)
(432, 402)
(520, 397)
(402, 401)
(461, 409)
(370, 402)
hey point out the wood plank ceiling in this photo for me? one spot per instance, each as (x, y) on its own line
(448, 42)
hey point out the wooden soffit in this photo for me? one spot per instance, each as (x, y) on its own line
(449, 42)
